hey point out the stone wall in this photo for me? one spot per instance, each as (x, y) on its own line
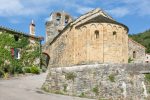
(136, 51)
(80, 46)
(147, 58)
(103, 81)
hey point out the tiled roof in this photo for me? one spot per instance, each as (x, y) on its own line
(19, 32)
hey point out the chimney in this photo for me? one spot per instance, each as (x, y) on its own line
(32, 28)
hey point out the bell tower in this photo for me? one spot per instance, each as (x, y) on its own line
(57, 22)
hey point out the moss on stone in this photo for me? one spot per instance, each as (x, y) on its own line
(70, 76)
(82, 94)
(112, 77)
(59, 92)
(65, 88)
(96, 90)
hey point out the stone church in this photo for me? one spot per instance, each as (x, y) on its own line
(94, 37)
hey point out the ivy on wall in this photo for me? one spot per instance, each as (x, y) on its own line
(29, 53)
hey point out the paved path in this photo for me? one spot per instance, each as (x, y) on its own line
(28, 88)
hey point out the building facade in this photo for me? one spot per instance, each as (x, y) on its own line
(94, 37)
(147, 58)
(136, 52)
(18, 49)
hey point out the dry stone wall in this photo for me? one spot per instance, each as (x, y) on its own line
(102, 81)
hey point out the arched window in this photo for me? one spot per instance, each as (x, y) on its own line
(66, 20)
(134, 54)
(58, 18)
(96, 34)
(114, 35)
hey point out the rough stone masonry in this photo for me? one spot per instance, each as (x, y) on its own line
(102, 81)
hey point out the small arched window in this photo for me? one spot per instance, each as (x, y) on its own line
(114, 35)
(96, 34)
(58, 18)
(134, 54)
(66, 20)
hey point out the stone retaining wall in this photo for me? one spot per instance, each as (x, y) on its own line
(103, 81)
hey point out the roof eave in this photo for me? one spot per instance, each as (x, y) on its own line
(20, 33)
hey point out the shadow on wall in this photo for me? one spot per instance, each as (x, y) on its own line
(45, 60)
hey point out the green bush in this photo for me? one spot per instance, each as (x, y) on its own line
(35, 70)
(147, 77)
(26, 69)
(19, 69)
(1, 73)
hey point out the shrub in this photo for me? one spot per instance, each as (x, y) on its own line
(1, 73)
(147, 77)
(6, 76)
(19, 69)
(35, 70)
(26, 69)
(82, 94)
(130, 60)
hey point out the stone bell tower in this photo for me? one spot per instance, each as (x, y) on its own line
(57, 22)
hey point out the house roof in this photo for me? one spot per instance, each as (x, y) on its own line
(137, 43)
(19, 32)
(96, 15)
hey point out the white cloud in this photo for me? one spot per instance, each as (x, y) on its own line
(143, 8)
(118, 12)
(20, 7)
(126, 7)
(14, 21)
(82, 10)
(118, 8)
(7, 7)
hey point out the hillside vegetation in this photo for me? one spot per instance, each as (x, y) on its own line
(142, 38)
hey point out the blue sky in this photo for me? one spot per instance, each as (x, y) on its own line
(17, 14)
